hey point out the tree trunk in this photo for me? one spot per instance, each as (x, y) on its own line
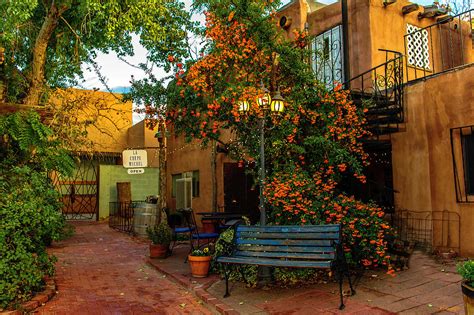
(162, 170)
(39, 55)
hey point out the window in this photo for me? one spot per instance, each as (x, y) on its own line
(195, 182)
(462, 150)
(417, 47)
(326, 59)
(468, 159)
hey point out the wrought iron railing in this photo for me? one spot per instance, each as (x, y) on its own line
(121, 215)
(327, 57)
(441, 46)
(430, 230)
(380, 89)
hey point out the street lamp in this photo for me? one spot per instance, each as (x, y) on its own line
(268, 104)
(275, 104)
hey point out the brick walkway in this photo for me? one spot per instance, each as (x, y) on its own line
(101, 271)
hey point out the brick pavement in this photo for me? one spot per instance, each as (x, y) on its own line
(101, 271)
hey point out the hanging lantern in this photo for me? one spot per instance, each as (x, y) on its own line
(244, 106)
(277, 103)
(265, 99)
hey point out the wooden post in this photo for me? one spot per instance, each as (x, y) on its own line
(124, 198)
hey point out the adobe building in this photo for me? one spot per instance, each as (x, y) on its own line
(89, 192)
(415, 65)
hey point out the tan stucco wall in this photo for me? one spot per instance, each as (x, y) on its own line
(372, 26)
(109, 117)
(388, 26)
(141, 137)
(422, 160)
(186, 157)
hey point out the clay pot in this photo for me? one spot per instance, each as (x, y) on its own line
(208, 226)
(468, 296)
(199, 265)
(158, 250)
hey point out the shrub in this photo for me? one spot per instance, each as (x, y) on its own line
(466, 270)
(298, 199)
(160, 234)
(29, 206)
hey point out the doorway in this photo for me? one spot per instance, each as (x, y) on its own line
(240, 193)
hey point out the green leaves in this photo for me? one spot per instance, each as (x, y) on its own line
(29, 204)
(81, 30)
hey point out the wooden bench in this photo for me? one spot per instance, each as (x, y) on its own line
(309, 246)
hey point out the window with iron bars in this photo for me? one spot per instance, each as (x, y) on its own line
(326, 57)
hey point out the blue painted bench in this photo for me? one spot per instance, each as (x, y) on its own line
(309, 246)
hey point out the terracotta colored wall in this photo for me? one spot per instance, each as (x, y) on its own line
(422, 160)
(327, 17)
(388, 26)
(186, 157)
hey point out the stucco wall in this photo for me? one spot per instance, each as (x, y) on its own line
(142, 185)
(422, 159)
(109, 118)
(373, 26)
(141, 137)
(186, 157)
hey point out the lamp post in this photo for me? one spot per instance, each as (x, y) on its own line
(275, 104)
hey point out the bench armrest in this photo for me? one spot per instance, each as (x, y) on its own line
(232, 243)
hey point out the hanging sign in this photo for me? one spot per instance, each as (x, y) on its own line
(133, 171)
(134, 158)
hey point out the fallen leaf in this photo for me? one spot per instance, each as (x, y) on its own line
(430, 305)
(121, 293)
(183, 305)
(241, 303)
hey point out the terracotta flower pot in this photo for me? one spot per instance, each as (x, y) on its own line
(208, 226)
(199, 265)
(468, 295)
(158, 250)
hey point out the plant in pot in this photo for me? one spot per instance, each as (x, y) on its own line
(466, 270)
(160, 236)
(200, 260)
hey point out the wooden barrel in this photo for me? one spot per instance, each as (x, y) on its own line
(145, 214)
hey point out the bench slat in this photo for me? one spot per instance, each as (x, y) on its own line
(302, 235)
(275, 262)
(290, 228)
(286, 255)
(295, 249)
(284, 243)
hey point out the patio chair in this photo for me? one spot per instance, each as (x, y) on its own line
(178, 225)
(188, 215)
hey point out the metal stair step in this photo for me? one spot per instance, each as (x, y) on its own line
(384, 111)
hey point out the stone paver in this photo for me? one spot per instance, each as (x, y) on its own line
(427, 287)
(101, 271)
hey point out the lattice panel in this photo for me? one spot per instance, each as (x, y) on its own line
(418, 47)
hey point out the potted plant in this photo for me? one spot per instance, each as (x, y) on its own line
(199, 260)
(160, 236)
(466, 270)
